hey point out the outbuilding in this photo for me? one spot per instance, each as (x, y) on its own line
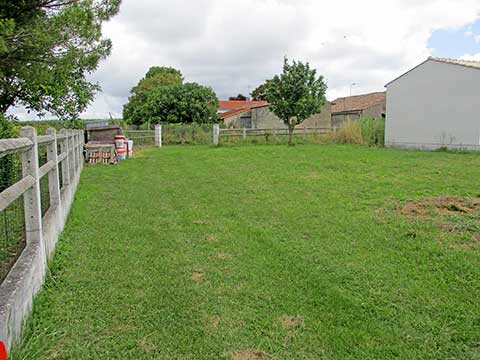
(435, 105)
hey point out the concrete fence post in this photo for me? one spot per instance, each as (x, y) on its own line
(31, 198)
(244, 133)
(71, 156)
(158, 135)
(216, 134)
(53, 175)
(80, 150)
(66, 162)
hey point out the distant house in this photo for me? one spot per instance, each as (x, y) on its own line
(435, 105)
(230, 105)
(257, 115)
(356, 107)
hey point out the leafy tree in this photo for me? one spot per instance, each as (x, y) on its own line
(47, 47)
(260, 93)
(296, 94)
(239, 97)
(156, 76)
(179, 103)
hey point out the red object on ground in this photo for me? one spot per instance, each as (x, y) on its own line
(3, 351)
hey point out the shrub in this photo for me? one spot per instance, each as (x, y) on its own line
(349, 133)
(373, 131)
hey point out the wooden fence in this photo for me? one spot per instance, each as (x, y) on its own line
(62, 169)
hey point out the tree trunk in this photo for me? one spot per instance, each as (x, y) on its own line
(290, 134)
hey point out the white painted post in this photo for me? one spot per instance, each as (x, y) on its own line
(53, 176)
(216, 133)
(65, 163)
(244, 133)
(158, 135)
(31, 198)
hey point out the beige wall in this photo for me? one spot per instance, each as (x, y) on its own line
(263, 118)
(375, 111)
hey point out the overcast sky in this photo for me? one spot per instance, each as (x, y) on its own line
(233, 46)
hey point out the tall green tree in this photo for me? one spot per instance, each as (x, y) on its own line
(179, 103)
(156, 76)
(47, 47)
(296, 94)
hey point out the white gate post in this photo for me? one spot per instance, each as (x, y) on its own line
(158, 135)
(244, 133)
(216, 133)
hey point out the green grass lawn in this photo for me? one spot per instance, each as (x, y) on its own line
(298, 253)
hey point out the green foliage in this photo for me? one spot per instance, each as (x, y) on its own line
(156, 76)
(373, 131)
(260, 93)
(9, 165)
(296, 94)
(46, 50)
(180, 103)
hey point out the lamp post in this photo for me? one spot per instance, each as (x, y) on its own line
(351, 86)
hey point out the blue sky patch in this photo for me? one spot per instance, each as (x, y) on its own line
(456, 43)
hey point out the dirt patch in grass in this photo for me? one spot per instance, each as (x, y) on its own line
(197, 276)
(441, 205)
(212, 238)
(292, 322)
(251, 355)
(222, 256)
(452, 214)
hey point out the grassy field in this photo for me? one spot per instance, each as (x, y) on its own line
(262, 252)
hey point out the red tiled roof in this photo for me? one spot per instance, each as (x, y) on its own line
(358, 102)
(237, 104)
(236, 107)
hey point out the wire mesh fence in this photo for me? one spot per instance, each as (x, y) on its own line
(141, 138)
(274, 136)
(187, 134)
(12, 220)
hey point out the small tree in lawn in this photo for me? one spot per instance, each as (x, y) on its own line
(296, 94)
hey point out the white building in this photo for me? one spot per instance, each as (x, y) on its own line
(434, 105)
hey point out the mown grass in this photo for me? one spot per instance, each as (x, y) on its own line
(266, 232)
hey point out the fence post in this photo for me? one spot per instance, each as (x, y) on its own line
(158, 135)
(71, 156)
(31, 198)
(81, 142)
(53, 176)
(304, 132)
(244, 133)
(66, 162)
(216, 133)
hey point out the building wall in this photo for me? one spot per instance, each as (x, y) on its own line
(321, 120)
(375, 111)
(434, 105)
(240, 120)
(338, 119)
(263, 118)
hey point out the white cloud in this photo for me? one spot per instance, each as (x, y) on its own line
(235, 45)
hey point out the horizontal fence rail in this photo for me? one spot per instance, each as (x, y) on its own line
(47, 191)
